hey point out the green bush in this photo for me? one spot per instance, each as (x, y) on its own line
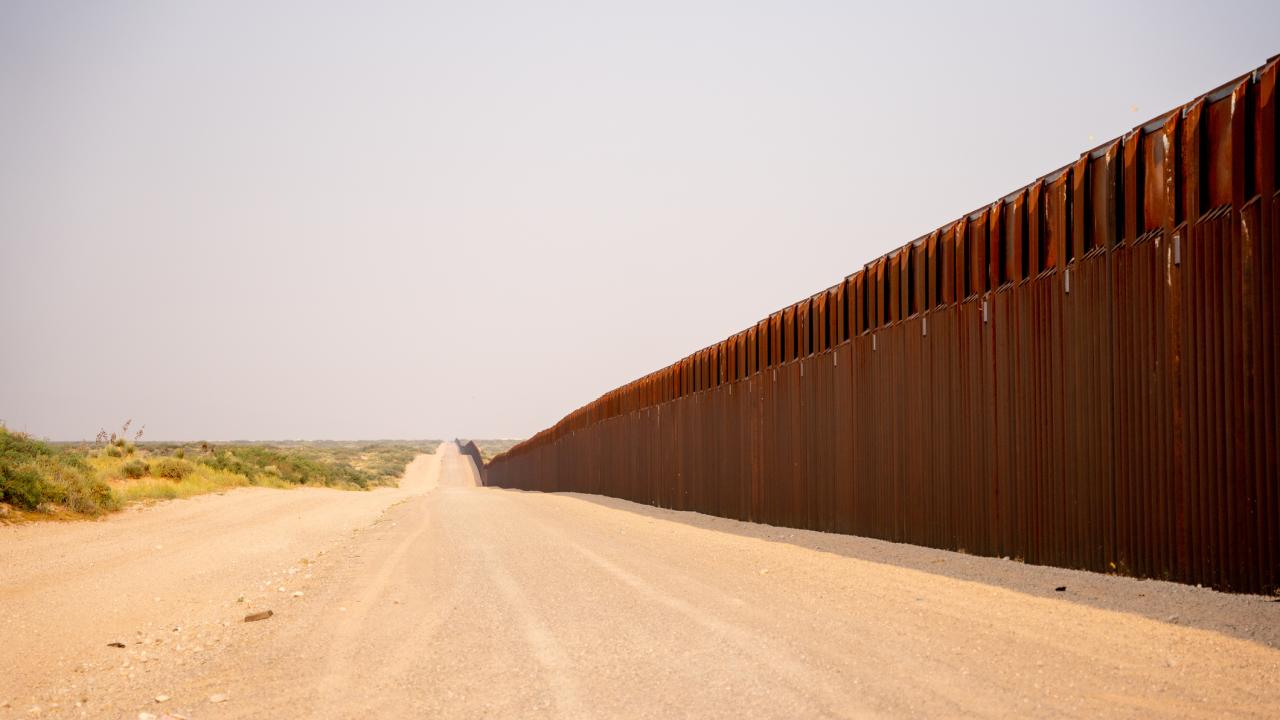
(113, 451)
(172, 468)
(227, 461)
(72, 485)
(180, 453)
(259, 463)
(20, 486)
(133, 469)
(33, 473)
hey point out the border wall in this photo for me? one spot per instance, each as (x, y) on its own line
(1082, 373)
(469, 448)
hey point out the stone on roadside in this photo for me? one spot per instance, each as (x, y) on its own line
(218, 697)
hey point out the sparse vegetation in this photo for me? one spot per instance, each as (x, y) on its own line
(171, 468)
(35, 475)
(334, 464)
(91, 478)
(133, 469)
(489, 449)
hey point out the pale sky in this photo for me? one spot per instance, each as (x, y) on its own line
(313, 220)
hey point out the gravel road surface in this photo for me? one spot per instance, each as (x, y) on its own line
(443, 599)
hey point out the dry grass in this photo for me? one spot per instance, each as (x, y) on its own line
(66, 481)
(200, 481)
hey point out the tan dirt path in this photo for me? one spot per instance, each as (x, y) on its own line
(443, 599)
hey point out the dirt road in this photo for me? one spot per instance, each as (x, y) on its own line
(444, 599)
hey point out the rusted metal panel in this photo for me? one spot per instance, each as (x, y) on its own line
(761, 354)
(1083, 373)
(835, 315)
(1260, 227)
(1087, 413)
(867, 504)
(1036, 259)
(843, 403)
(938, 366)
(777, 459)
(857, 303)
(804, 328)
(818, 322)
(1103, 192)
(960, 243)
(1016, 224)
(979, 269)
(789, 335)
(878, 293)
(997, 241)
(1010, 495)
(1055, 237)
(895, 289)
(776, 339)
(913, 279)
(721, 353)
(914, 431)
(1212, 393)
(947, 266)
(1038, 412)
(1142, 468)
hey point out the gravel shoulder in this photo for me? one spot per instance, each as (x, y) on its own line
(442, 599)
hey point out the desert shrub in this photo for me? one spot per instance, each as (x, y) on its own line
(266, 464)
(171, 468)
(386, 461)
(228, 461)
(113, 451)
(180, 453)
(74, 487)
(20, 486)
(133, 469)
(32, 473)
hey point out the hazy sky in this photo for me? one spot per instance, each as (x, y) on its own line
(306, 220)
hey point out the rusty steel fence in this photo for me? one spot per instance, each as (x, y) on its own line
(469, 448)
(1081, 374)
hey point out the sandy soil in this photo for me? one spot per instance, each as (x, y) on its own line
(444, 599)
